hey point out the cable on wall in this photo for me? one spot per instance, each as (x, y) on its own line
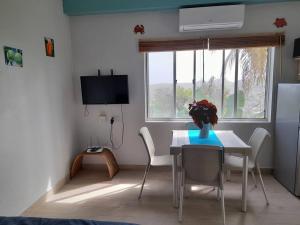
(86, 111)
(111, 130)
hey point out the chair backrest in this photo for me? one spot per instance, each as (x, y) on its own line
(256, 141)
(146, 136)
(203, 164)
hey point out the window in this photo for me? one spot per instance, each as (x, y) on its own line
(235, 80)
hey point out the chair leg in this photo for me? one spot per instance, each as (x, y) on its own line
(144, 179)
(253, 177)
(186, 191)
(182, 184)
(228, 174)
(221, 189)
(218, 193)
(223, 206)
(262, 183)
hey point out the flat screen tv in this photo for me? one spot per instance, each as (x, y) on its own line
(104, 89)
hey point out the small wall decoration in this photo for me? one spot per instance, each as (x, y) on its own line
(139, 29)
(13, 56)
(49, 47)
(280, 22)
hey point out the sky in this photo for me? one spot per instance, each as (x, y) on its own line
(161, 66)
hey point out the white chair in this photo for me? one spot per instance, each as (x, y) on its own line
(236, 163)
(153, 160)
(202, 165)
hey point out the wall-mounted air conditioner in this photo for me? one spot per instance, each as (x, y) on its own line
(211, 18)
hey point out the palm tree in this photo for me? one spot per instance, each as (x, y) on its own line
(253, 64)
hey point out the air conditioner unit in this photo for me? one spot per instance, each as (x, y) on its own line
(211, 18)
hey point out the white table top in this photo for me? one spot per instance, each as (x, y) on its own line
(231, 142)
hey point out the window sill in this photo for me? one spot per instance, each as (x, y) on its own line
(221, 121)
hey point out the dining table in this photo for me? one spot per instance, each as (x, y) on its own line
(230, 142)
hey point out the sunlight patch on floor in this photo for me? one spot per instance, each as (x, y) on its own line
(201, 188)
(76, 191)
(111, 190)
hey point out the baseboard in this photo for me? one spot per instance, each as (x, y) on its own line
(124, 167)
(267, 170)
(159, 168)
(263, 171)
(52, 191)
(143, 167)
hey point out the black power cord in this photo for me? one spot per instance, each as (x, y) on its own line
(112, 120)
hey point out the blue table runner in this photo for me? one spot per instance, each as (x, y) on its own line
(212, 138)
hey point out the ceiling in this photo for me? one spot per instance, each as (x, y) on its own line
(87, 7)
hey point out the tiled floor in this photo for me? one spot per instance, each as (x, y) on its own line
(91, 195)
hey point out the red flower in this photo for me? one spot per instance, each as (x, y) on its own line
(203, 112)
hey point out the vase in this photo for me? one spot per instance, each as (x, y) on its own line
(204, 131)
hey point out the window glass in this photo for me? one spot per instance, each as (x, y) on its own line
(184, 85)
(209, 86)
(251, 93)
(229, 83)
(237, 87)
(160, 80)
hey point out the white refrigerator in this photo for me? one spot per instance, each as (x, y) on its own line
(287, 137)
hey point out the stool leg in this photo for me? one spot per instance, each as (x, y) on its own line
(111, 162)
(76, 165)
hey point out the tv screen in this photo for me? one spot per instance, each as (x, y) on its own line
(104, 89)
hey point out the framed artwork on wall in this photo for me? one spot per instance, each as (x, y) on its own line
(49, 47)
(13, 56)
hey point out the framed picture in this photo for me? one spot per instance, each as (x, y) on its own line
(49, 47)
(13, 56)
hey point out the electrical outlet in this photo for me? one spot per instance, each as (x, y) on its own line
(102, 117)
(117, 118)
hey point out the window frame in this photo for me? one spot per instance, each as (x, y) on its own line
(268, 90)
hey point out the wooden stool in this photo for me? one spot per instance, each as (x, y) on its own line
(106, 154)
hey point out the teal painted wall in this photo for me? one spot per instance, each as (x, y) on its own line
(87, 7)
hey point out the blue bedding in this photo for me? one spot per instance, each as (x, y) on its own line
(45, 221)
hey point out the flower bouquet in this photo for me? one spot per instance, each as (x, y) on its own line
(204, 114)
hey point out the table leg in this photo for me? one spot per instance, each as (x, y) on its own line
(175, 181)
(245, 183)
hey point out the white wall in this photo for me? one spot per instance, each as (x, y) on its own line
(36, 113)
(108, 41)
